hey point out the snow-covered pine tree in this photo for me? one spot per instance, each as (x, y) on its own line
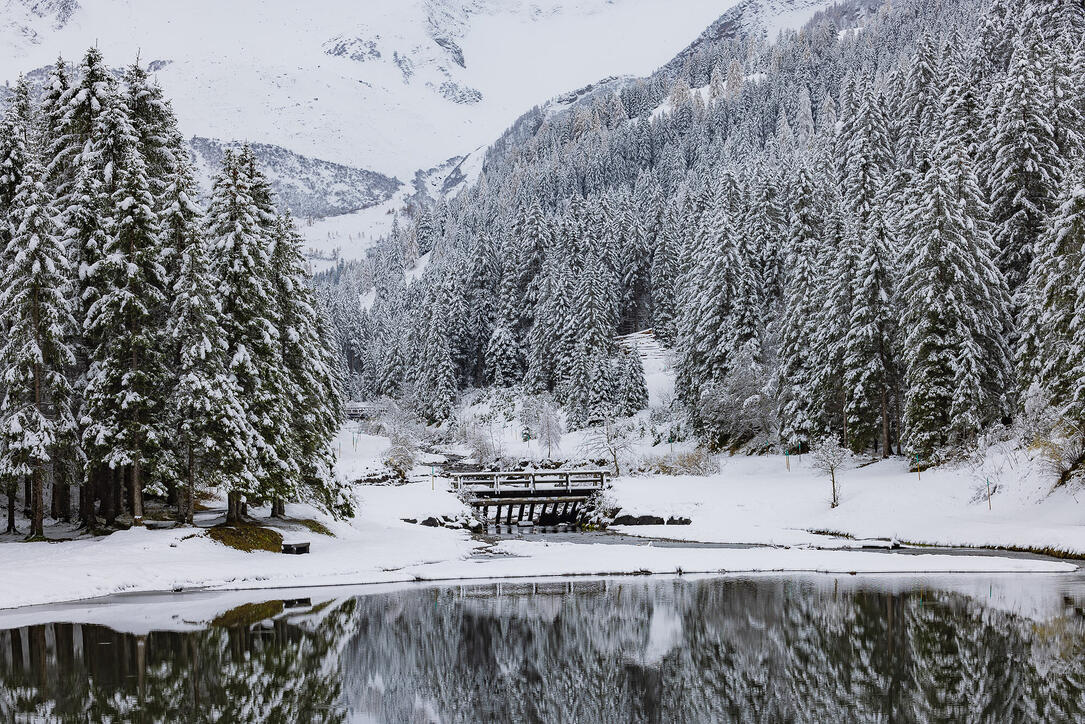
(155, 128)
(601, 388)
(531, 238)
(180, 216)
(765, 230)
(239, 252)
(706, 306)
(866, 155)
(312, 393)
(632, 386)
(918, 104)
(634, 260)
(1024, 176)
(213, 440)
(127, 382)
(81, 179)
(596, 306)
(576, 390)
(870, 351)
(53, 106)
(954, 307)
(16, 125)
(36, 315)
(1061, 25)
(1051, 353)
(664, 274)
(841, 242)
(798, 334)
(503, 357)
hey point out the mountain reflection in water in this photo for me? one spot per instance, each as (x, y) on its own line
(617, 650)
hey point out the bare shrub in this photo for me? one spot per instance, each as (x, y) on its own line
(1062, 451)
(829, 458)
(698, 461)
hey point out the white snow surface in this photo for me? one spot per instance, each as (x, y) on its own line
(756, 499)
(747, 502)
(368, 83)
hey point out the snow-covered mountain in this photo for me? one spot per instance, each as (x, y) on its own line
(387, 85)
(349, 100)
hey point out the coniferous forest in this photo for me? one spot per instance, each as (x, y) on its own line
(153, 344)
(870, 229)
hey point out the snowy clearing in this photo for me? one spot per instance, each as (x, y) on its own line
(757, 500)
(750, 501)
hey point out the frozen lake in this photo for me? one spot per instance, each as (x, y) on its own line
(635, 649)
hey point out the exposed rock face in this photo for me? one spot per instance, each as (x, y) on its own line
(309, 187)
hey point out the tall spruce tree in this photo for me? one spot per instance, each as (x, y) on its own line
(798, 332)
(955, 303)
(127, 380)
(213, 439)
(35, 313)
(240, 253)
(1024, 176)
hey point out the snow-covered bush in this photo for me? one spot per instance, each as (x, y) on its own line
(405, 434)
(1039, 417)
(1063, 451)
(484, 445)
(599, 510)
(610, 439)
(829, 458)
(541, 417)
(400, 457)
(698, 461)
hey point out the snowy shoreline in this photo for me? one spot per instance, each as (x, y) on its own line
(142, 561)
(751, 501)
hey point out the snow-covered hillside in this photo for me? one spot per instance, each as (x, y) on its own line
(387, 85)
(359, 108)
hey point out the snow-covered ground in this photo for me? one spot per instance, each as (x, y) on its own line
(758, 500)
(748, 502)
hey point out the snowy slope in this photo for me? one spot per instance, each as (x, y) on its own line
(386, 85)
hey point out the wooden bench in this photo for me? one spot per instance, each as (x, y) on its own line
(296, 548)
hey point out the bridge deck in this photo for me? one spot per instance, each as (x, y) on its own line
(519, 492)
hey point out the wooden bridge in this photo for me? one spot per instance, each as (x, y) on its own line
(555, 495)
(363, 410)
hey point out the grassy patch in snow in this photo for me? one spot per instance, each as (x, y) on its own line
(249, 613)
(247, 537)
(315, 526)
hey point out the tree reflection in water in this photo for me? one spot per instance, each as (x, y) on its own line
(762, 649)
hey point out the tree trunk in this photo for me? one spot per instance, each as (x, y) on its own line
(11, 511)
(120, 492)
(37, 506)
(27, 497)
(86, 499)
(844, 411)
(62, 498)
(190, 490)
(54, 500)
(278, 508)
(885, 423)
(137, 493)
(832, 476)
(107, 508)
(233, 507)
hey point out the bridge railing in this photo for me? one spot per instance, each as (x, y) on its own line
(531, 481)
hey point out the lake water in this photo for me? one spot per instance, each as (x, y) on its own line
(764, 649)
